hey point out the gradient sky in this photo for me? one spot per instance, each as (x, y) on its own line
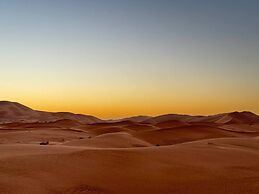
(115, 58)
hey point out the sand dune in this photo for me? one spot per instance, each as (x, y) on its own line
(171, 123)
(239, 118)
(56, 153)
(170, 136)
(134, 119)
(111, 140)
(226, 118)
(15, 112)
(214, 166)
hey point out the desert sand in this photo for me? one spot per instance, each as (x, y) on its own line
(164, 154)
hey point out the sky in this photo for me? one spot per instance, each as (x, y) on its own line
(117, 58)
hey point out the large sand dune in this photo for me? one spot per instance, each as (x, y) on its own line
(208, 166)
(13, 112)
(164, 154)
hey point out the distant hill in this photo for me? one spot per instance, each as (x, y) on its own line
(13, 112)
(239, 118)
(244, 117)
(16, 112)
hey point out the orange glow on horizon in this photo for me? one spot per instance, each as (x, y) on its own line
(112, 110)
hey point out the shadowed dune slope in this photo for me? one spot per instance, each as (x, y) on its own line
(111, 140)
(169, 136)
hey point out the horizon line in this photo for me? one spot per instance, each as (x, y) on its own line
(130, 116)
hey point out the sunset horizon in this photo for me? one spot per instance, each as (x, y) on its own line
(114, 59)
(129, 96)
(132, 115)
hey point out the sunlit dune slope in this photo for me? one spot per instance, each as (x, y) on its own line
(208, 166)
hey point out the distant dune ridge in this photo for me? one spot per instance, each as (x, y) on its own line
(44, 152)
(13, 111)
